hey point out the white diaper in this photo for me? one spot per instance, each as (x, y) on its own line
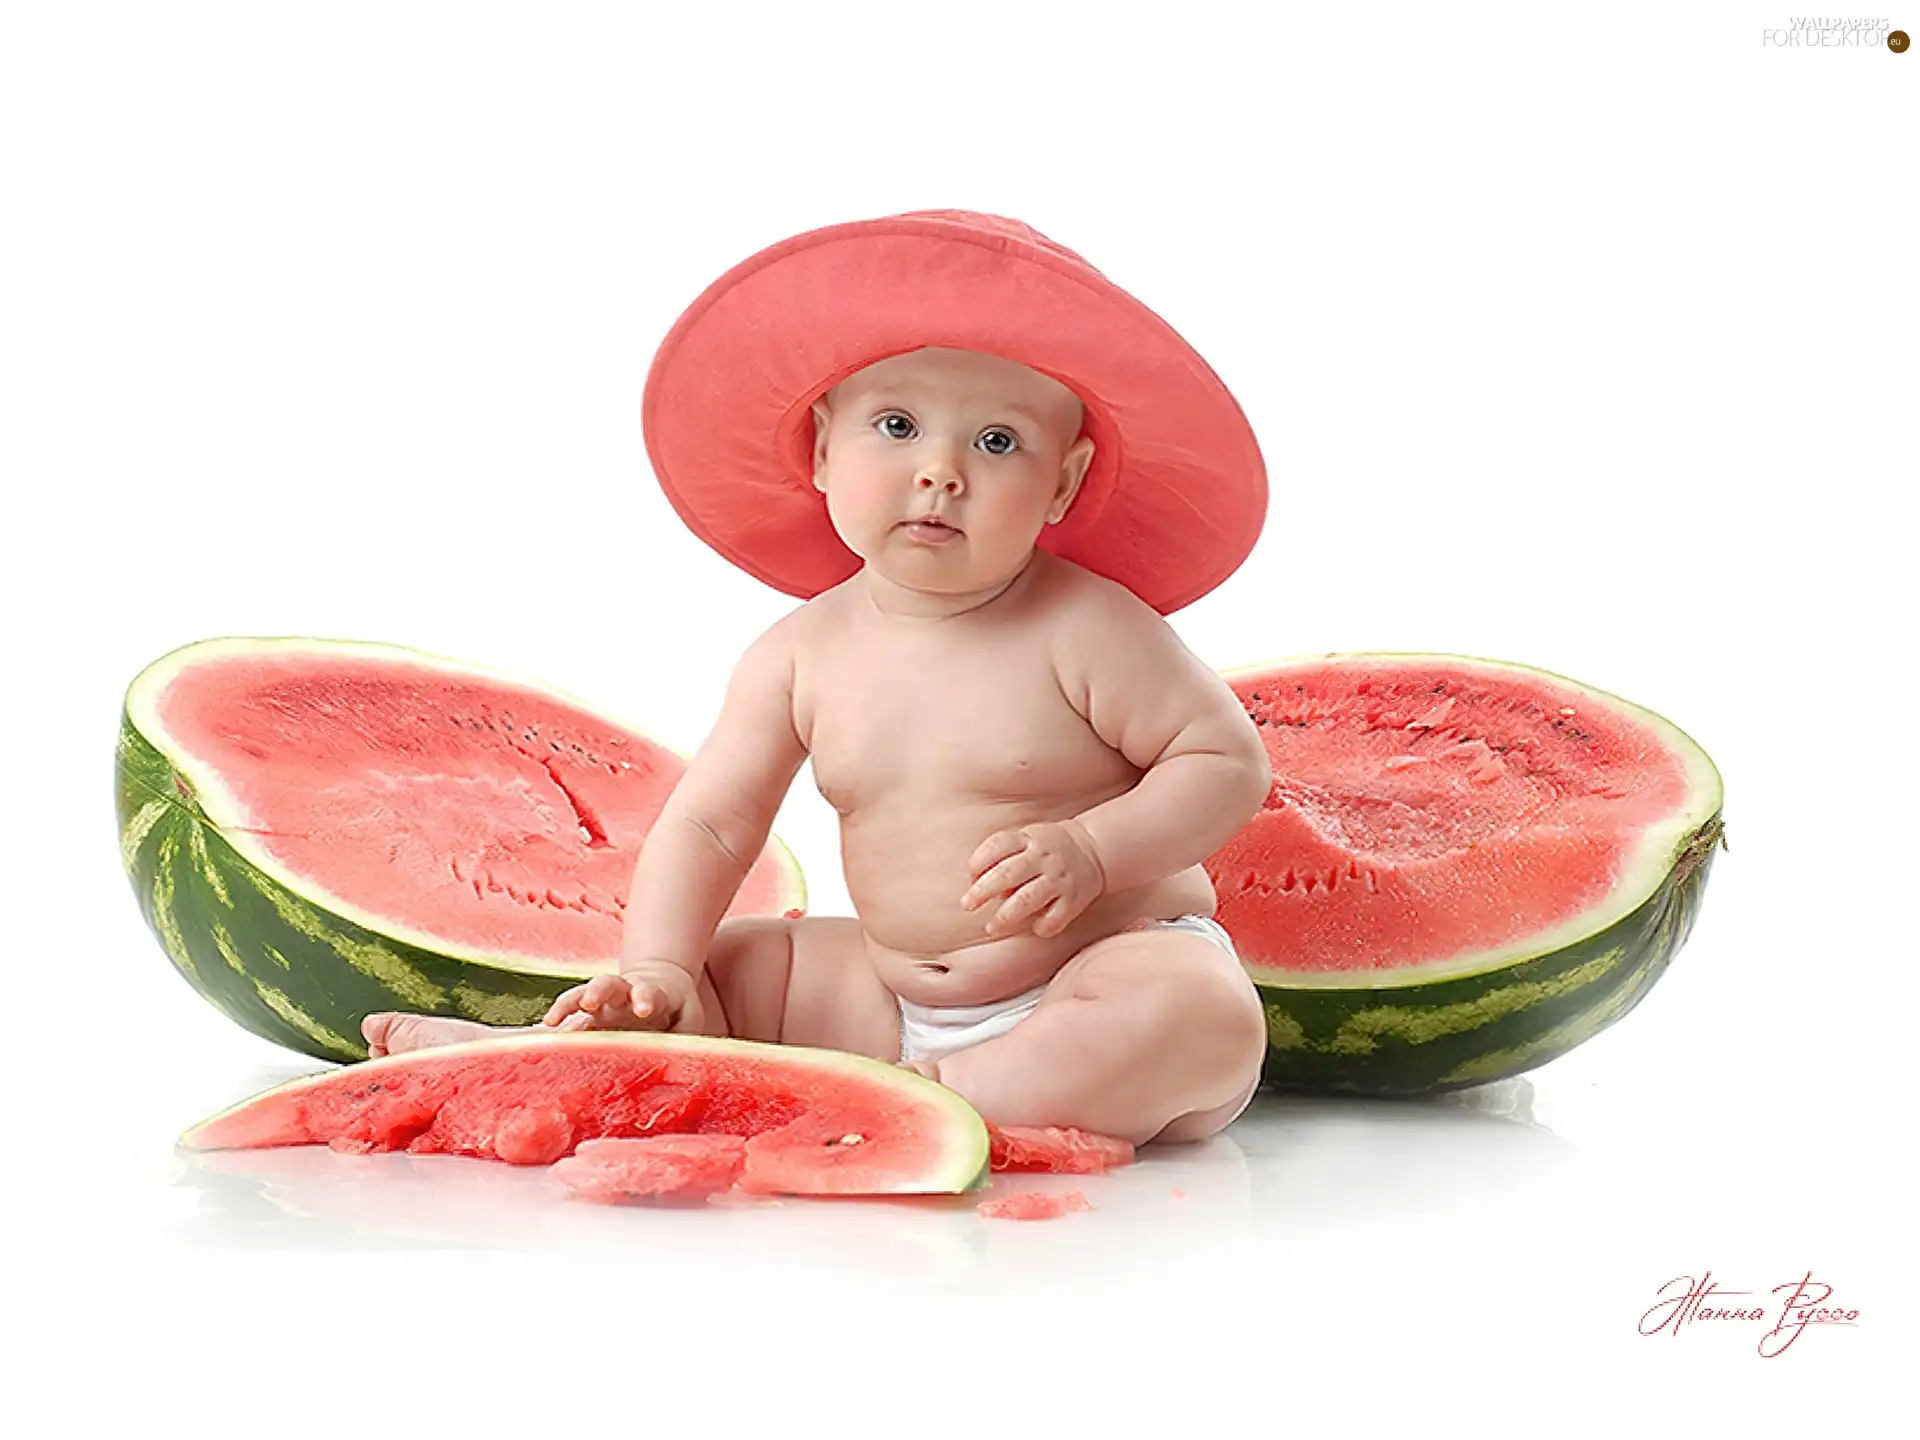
(933, 1032)
(1199, 924)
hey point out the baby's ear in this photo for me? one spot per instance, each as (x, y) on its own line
(1073, 471)
(822, 418)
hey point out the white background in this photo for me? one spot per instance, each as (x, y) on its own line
(1577, 336)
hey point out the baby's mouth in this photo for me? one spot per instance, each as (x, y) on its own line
(930, 524)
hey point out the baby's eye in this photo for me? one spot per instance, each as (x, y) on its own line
(1013, 442)
(887, 423)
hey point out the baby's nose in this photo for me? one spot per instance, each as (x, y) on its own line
(947, 480)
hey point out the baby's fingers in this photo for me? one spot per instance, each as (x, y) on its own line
(566, 1005)
(606, 992)
(995, 848)
(652, 1006)
(1002, 879)
(1026, 901)
(645, 999)
(1055, 918)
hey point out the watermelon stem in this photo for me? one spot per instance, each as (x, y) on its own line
(1699, 847)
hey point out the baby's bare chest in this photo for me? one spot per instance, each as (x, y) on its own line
(956, 720)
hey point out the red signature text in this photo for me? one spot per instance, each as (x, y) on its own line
(1801, 1303)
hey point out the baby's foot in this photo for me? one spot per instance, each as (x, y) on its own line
(606, 1002)
(394, 1032)
(928, 1068)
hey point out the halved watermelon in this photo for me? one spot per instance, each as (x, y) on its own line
(318, 829)
(815, 1122)
(1465, 867)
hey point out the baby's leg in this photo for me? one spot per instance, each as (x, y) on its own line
(801, 982)
(796, 982)
(1145, 1035)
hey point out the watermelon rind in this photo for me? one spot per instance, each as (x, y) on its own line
(961, 1164)
(281, 955)
(1475, 1018)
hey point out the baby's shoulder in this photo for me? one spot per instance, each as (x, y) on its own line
(1093, 607)
(1106, 640)
(771, 657)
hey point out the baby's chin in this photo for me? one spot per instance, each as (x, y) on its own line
(939, 575)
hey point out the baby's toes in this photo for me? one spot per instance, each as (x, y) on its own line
(404, 1031)
(375, 1029)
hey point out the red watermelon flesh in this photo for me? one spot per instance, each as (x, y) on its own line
(1032, 1205)
(486, 813)
(680, 1167)
(1055, 1149)
(810, 1121)
(1428, 808)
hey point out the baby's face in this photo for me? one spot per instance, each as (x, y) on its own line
(983, 443)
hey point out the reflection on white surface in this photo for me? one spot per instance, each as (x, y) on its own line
(1288, 1164)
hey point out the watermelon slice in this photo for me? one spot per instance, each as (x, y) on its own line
(680, 1167)
(317, 830)
(1464, 868)
(1055, 1149)
(1032, 1205)
(807, 1121)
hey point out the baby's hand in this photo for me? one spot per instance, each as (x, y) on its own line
(1048, 871)
(643, 1000)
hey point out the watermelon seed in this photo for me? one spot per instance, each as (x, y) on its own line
(851, 1139)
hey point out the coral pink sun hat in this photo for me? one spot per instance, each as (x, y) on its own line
(1177, 491)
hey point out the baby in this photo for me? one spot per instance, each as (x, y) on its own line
(1028, 766)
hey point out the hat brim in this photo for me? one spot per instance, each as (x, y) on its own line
(1172, 503)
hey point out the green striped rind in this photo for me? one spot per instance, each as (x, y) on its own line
(1448, 1034)
(282, 966)
(276, 1117)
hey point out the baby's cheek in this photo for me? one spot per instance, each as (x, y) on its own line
(848, 523)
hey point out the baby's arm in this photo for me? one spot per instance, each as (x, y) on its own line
(713, 828)
(1206, 773)
(1151, 699)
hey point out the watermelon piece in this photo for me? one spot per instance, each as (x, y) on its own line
(808, 1121)
(1055, 1149)
(675, 1167)
(317, 830)
(1464, 869)
(1032, 1205)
